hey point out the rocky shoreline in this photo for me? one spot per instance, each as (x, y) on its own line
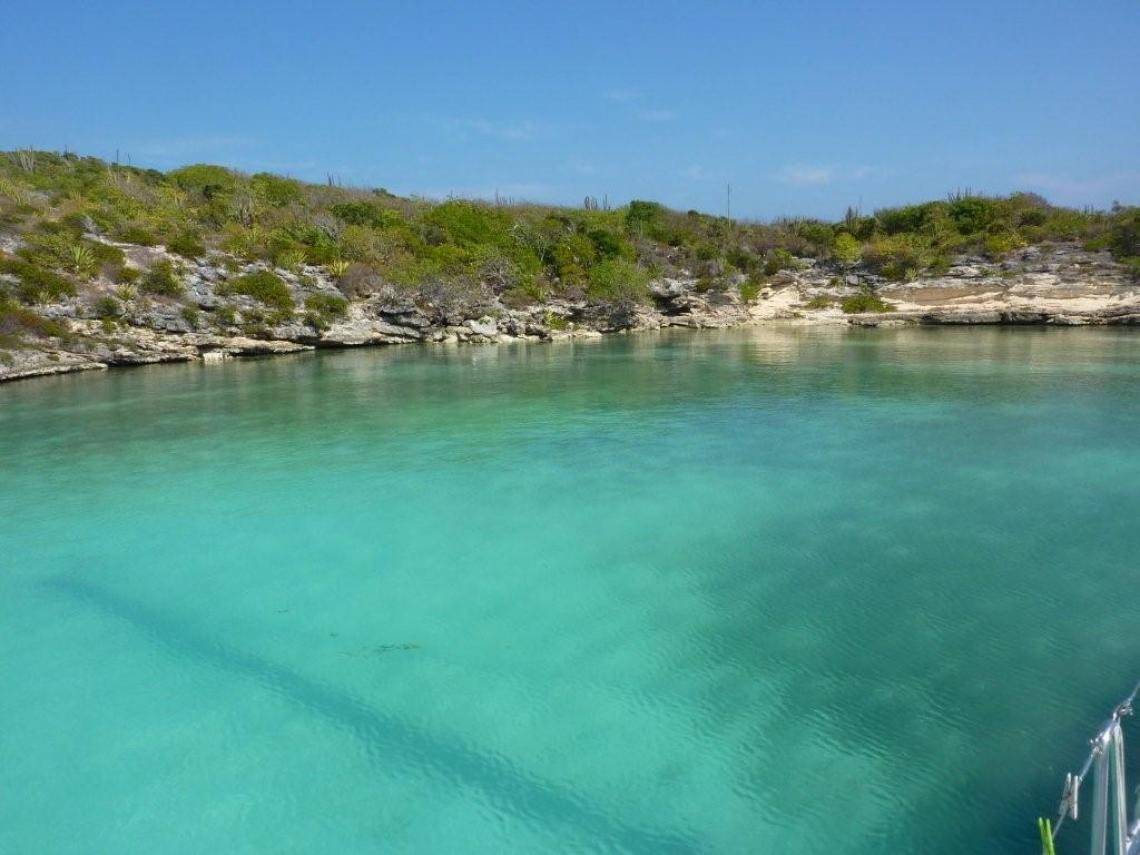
(1048, 284)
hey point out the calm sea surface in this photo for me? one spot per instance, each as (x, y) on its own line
(777, 590)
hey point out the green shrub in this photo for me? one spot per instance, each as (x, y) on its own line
(61, 250)
(939, 265)
(846, 250)
(75, 222)
(163, 280)
(528, 291)
(618, 281)
(362, 243)
(865, 303)
(822, 301)
(338, 267)
(742, 260)
(324, 309)
(205, 179)
(104, 253)
(187, 244)
(818, 235)
(137, 234)
(899, 257)
(36, 284)
(292, 260)
(644, 218)
(777, 260)
(572, 258)
(107, 307)
(706, 251)
(750, 289)
(264, 286)
(500, 270)
(1125, 233)
(555, 321)
(247, 243)
(191, 315)
(296, 242)
(907, 219)
(368, 214)
(276, 190)
(999, 246)
(609, 244)
(973, 214)
(469, 224)
(16, 321)
(48, 247)
(125, 275)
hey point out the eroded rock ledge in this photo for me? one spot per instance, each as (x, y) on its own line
(1058, 284)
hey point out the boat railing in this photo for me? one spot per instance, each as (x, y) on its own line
(1110, 831)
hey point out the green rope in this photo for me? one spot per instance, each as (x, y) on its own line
(1046, 828)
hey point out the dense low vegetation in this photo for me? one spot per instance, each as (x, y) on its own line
(865, 303)
(370, 239)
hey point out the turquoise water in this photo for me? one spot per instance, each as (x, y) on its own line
(772, 590)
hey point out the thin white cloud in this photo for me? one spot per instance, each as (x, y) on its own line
(657, 115)
(1079, 188)
(510, 131)
(804, 174)
(189, 146)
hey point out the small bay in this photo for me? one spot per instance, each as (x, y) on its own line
(762, 590)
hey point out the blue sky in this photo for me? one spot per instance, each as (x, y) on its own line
(804, 107)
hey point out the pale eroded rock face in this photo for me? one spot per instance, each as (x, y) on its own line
(1050, 284)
